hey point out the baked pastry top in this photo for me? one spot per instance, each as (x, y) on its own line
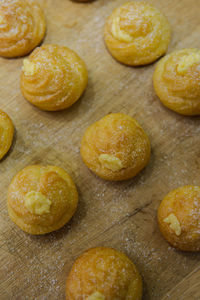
(137, 33)
(41, 199)
(82, 0)
(53, 77)
(22, 27)
(103, 273)
(6, 133)
(177, 81)
(178, 218)
(115, 147)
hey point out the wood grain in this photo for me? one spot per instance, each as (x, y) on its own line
(120, 215)
(188, 288)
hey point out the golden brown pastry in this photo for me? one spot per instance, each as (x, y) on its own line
(6, 133)
(22, 27)
(179, 218)
(137, 33)
(53, 77)
(82, 0)
(103, 274)
(41, 199)
(177, 81)
(115, 147)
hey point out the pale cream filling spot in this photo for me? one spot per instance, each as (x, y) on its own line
(174, 223)
(96, 296)
(36, 203)
(110, 162)
(29, 67)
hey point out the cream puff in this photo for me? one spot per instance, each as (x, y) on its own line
(115, 147)
(53, 77)
(101, 274)
(177, 81)
(6, 133)
(41, 199)
(22, 27)
(179, 218)
(137, 33)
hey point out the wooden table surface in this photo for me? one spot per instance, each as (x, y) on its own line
(120, 215)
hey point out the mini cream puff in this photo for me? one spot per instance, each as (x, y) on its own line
(53, 77)
(115, 147)
(22, 27)
(137, 33)
(179, 218)
(6, 133)
(177, 81)
(101, 274)
(41, 199)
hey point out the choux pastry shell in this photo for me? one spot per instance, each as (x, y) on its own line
(137, 33)
(179, 218)
(22, 27)
(41, 199)
(177, 81)
(115, 147)
(6, 133)
(103, 274)
(53, 77)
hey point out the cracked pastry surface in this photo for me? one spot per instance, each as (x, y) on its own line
(177, 81)
(41, 199)
(53, 77)
(137, 33)
(115, 147)
(103, 274)
(22, 27)
(6, 133)
(179, 218)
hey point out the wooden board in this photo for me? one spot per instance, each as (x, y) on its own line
(120, 215)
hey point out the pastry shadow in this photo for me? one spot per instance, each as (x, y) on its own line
(190, 118)
(21, 57)
(145, 294)
(142, 66)
(194, 255)
(76, 110)
(139, 178)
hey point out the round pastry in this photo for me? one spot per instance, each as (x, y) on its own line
(179, 218)
(177, 81)
(41, 199)
(22, 27)
(103, 273)
(6, 133)
(115, 147)
(137, 33)
(53, 77)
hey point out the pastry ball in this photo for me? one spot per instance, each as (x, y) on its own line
(22, 27)
(101, 274)
(137, 33)
(41, 199)
(115, 147)
(177, 81)
(179, 218)
(6, 133)
(53, 77)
